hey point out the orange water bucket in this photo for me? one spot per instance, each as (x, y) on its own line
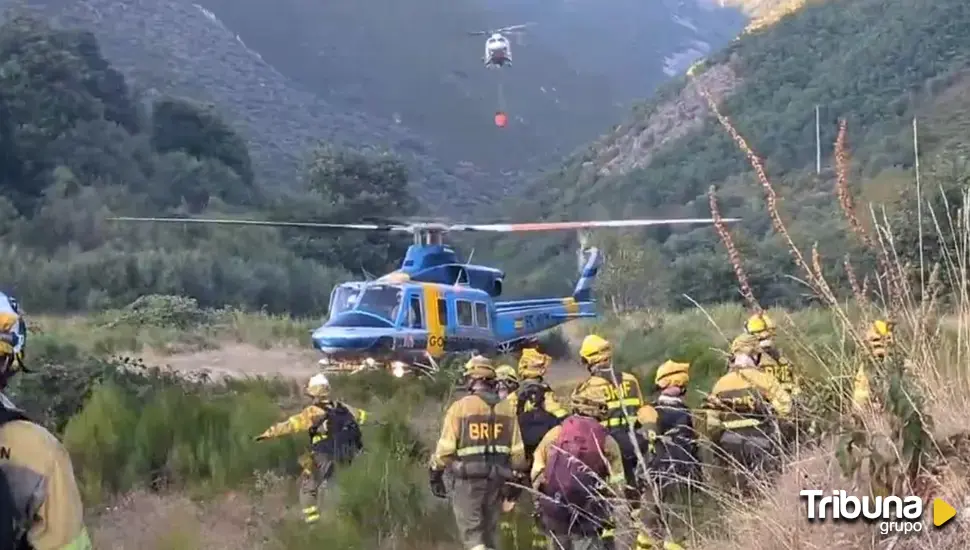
(501, 119)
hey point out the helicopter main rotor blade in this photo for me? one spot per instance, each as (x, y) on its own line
(268, 223)
(515, 27)
(559, 226)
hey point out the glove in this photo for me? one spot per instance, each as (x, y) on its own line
(437, 483)
(510, 493)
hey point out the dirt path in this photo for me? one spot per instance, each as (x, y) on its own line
(242, 360)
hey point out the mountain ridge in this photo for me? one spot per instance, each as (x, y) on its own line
(876, 72)
(216, 51)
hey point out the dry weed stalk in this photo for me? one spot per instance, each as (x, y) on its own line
(858, 291)
(733, 253)
(844, 196)
(842, 186)
(771, 197)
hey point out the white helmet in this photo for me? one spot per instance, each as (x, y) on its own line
(318, 386)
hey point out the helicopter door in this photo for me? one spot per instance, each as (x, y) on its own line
(415, 316)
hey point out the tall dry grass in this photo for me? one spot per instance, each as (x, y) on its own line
(928, 403)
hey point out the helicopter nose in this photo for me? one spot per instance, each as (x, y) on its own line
(330, 341)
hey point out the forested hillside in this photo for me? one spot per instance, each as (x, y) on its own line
(877, 63)
(406, 75)
(77, 145)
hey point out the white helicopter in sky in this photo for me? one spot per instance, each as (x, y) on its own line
(498, 50)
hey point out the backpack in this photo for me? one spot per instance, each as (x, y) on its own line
(575, 468)
(344, 440)
(534, 420)
(13, 526)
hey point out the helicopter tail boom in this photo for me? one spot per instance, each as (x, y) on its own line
(520, 319)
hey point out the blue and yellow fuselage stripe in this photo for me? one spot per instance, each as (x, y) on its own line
(436, 326)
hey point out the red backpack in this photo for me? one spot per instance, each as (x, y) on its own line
(575, 471)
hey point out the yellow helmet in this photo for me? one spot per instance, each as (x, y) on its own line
(745, 343)
(589, 402)
(533, 363)
(879, 337)
(12, 334)
(672, 373)
(595, 350)
(505, 373)
(480, 368)
(318, 387)
(745, 351)
(759, 324)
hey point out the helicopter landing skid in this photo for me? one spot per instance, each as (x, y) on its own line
(426, 365)
(513, 346)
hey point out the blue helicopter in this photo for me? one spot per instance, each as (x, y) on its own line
(435, 305)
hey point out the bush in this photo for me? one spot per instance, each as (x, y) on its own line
(177, 435)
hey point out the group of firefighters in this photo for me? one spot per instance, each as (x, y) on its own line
(608, 450)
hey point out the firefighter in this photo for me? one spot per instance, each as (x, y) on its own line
(668, 426)
(624, 400)
(537, 411)
(480, 445)
(743, 411)
(879, 340)
(536, 405)
(506, 381)
(623, 391)
(774, 362)
(676, 449)
(335, 439)
(39, 499)
(572, 462)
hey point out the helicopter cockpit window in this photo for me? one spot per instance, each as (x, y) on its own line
(414, 313)
(481, 315)
(466, 315)
(383, 301)
(344, 299)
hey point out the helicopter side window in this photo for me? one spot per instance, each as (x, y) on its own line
(466, 315)
(481, 315)
(414, 313)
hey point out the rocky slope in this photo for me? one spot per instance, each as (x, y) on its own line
(406, 77)
(877, 63)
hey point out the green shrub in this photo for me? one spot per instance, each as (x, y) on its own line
(175, 435)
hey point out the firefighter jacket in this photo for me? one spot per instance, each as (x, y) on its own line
(623, 402)
(537, 410)
(676, 448)
(776, 364)
(313, 421)
(43, 490)
(746, 398)
(480, 438)
(611, 452)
